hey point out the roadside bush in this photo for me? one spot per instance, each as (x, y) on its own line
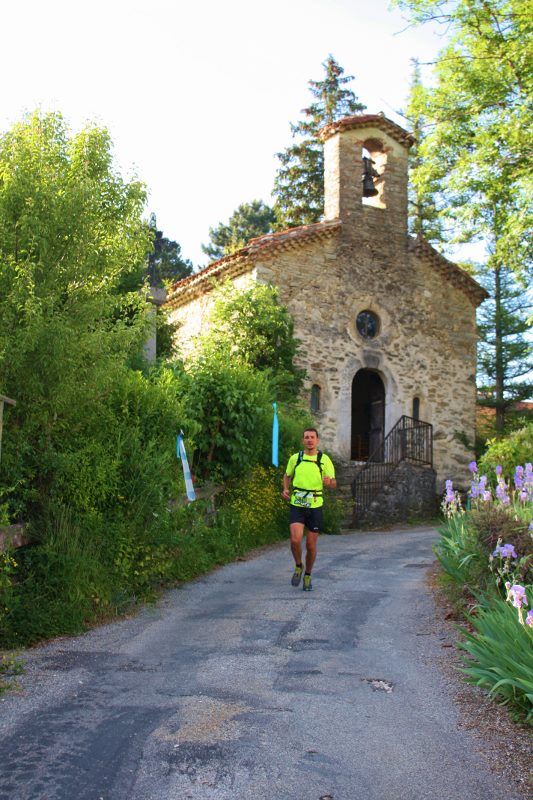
(57, 585)
(232, 401)
(334, 512)
(461, 554)
(501, 652)
(255, 505)
(88, 454)
(516, 448)
(488, 552)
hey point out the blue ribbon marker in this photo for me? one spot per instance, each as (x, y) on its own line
(181, 454)
(275, 437)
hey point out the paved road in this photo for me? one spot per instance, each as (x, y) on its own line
(240, 686)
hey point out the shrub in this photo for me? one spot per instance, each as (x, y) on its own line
(502, 655)
(460, 553)
(59, 584)
(334, 512)
(516, 448)
(489, 550)
(256, 504)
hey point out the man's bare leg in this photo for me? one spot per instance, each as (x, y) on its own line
(311, 545)
(297, 534)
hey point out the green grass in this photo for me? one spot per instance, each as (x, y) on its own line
(10, 667)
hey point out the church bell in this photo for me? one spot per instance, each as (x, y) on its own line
(369, 189)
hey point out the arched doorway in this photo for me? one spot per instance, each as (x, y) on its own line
(368, 416)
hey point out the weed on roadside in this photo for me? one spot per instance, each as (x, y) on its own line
(10, 667)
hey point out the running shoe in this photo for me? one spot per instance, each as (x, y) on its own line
(308, 586)
(297, 576)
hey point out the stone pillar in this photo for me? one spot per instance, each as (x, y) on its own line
(155, 297)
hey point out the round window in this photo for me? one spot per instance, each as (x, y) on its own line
(367, 324)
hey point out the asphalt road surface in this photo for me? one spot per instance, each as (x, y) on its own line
(239, 686)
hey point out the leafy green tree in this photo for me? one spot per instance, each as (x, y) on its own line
(299, 183)
(505, 352)
(425, 191)
(248, 221)
(478, 119)
(70, 231)
(231, 400)
(241, 365)
(250, 325)
(165, 262)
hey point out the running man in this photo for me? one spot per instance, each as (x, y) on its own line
(309, 470)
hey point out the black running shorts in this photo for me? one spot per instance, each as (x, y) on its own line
(310, 517)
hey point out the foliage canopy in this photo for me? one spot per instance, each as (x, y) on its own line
(248, 221)
(165, 262)
(251, 325)
(70, 231)
(478, 119)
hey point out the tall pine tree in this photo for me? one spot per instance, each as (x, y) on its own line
(425, 180)
(165, 262)
(248, 221)
(299, 182)
(505, 354)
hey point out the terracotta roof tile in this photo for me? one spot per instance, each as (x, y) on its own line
(364, 121)
(448, 270)
(243, 260)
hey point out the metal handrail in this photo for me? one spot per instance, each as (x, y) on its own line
(408, 440)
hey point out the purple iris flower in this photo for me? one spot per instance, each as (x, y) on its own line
(472, 466)
(501, 493)
(499, 469)
(518, 595)
(505, 551)
(529, 618)
(519, 477)
(450, 495)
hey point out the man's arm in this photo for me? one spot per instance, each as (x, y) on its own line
(329, 479)
(286, 493)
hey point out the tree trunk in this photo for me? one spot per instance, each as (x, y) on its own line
(499, 365)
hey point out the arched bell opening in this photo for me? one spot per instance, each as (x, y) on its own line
(374, 159)
(368, 416)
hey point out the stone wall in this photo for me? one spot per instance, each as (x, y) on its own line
(193, 317)
(409, 495)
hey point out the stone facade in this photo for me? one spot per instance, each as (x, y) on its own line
(360, 258)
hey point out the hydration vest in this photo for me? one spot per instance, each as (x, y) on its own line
(319, 465)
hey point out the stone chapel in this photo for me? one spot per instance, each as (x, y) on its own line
(387, 324)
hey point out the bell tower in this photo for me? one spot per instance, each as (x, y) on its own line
(365, 176)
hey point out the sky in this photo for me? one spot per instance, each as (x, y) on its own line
(199, 96)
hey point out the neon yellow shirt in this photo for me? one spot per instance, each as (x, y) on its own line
(307, 486)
